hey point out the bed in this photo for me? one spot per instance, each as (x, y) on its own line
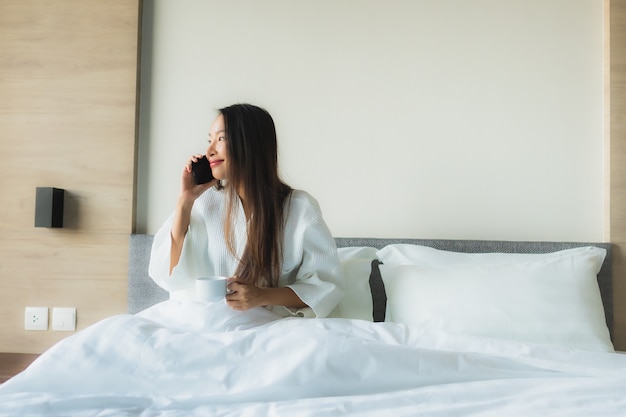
(427, 327)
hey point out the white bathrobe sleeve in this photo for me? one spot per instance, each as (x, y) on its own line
(191, 264)
(319, 279)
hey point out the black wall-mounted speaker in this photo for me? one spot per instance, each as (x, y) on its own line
(49, 207)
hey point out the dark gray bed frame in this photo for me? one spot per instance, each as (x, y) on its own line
(143, 292)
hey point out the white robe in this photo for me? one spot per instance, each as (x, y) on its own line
(310, 267)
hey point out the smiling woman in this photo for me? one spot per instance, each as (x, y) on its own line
(247, 224)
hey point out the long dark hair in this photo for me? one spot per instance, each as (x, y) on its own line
(253, 168)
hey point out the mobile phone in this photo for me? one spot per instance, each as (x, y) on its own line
(201, 171)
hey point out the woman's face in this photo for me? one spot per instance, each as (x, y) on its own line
(217, 152)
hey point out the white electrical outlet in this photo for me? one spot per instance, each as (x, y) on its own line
(36, 318)
(64, 318)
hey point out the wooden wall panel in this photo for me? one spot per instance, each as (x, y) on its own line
(68, 88)
(615, 62)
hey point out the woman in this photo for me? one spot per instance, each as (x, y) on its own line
(248, 225)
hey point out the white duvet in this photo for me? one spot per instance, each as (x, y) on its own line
(192, 359)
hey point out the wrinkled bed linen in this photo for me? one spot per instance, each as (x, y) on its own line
(187, 359)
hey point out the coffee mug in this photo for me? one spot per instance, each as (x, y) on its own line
(211, 288)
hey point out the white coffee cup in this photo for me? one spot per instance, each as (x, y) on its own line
(211, 288)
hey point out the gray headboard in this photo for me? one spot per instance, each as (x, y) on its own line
(143, 292)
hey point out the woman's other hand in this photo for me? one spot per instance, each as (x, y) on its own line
(244, 296)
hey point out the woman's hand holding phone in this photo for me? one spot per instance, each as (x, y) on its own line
(191, 188)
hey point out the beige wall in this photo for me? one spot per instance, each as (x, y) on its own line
(68, 76)
(451, 119)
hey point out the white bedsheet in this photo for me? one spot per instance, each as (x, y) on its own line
(192, 359)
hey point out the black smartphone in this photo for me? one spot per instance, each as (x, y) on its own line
(201, 171)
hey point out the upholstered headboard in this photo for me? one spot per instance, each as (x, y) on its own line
(143, 292)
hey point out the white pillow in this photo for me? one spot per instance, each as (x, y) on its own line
(410, 254)
(357, 299)
(356, 252)
(555, 300)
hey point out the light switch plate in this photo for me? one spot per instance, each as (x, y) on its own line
(64, 319)
(36, 318)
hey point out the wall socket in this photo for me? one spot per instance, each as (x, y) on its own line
(36, 318)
